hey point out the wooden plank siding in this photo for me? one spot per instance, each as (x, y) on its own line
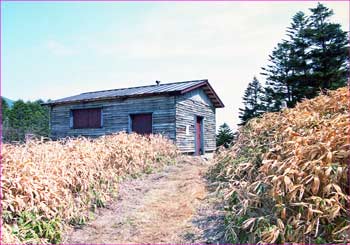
(188, 106)
(171, 115)
(116, 116)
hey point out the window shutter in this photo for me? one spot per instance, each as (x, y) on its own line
(87, 118)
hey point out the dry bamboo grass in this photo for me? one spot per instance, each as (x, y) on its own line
(287, 175)
(65, 178)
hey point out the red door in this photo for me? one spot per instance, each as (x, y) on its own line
(199, 149)
(141, 123)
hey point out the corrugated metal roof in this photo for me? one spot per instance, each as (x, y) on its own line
(134, 91)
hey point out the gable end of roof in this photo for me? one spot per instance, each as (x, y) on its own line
(207, 88)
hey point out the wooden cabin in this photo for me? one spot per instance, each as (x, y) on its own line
(182, 111)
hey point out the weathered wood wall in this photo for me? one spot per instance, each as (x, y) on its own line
(171, 115)
(115, 115)
(188, 106)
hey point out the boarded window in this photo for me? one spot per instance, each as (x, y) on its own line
(141, 123)
(87, 118)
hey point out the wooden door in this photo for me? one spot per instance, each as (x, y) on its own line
(141, 123)
(199, 136)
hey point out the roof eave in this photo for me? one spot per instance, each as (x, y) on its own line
(218, 103)
(108, 98)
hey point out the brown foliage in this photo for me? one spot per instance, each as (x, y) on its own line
(64, 178)
(288, 172)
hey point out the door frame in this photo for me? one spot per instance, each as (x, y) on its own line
(202, 150)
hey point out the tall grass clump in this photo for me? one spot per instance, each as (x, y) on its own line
(47, 185)
(286, 179)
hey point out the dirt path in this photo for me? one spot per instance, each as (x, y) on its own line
(175, 205)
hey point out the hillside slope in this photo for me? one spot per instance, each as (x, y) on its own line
(8, 101)
(286, 177)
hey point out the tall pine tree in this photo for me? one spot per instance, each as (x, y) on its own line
(329, 50)
(298, 58)
(280, 89)
(315, 57)
(253, 106)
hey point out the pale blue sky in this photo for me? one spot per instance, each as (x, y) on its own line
(56, 49)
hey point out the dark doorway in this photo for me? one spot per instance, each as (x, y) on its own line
(141, 123)
(199, 136)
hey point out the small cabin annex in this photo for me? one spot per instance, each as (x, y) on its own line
(182, 111)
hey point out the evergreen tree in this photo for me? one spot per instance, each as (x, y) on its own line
(4, 109)
(225, 136)
(300, 75)
(329, 50)
(269, 101)
(27, 118)
(252, 101)
(315, 57)
(288, 73)
(278, 77)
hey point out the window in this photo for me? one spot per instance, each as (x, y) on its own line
(87, 118)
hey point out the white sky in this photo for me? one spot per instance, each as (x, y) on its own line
(225, 42)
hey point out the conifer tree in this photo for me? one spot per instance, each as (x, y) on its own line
(329, 50)
(252, 101)
(4, 109)
(278, 77)
(4, 118)
(300, 75)
(225, 136)
(315, 57)
(26, 118)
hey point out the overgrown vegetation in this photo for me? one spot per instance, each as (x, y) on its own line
(286, 178)
(313, 57)
(49, 185)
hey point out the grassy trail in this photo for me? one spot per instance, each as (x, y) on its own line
(176, 205)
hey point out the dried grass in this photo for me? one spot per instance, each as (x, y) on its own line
(286, 178)
(65, 179)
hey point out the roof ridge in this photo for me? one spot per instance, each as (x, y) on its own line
(174, 88)
(144, 86)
